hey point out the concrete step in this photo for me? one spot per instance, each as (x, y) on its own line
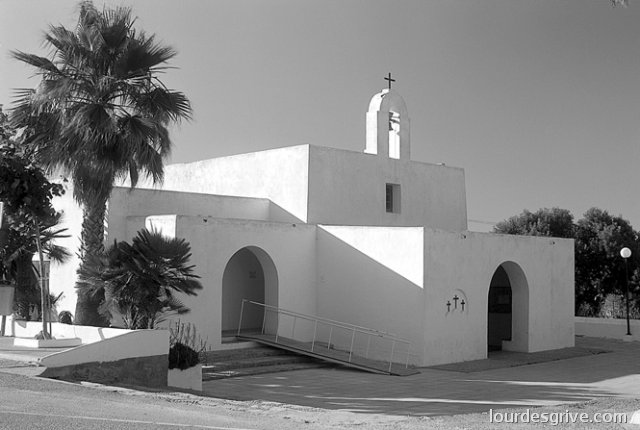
(253, 361)
(249, 371)
(274, 360)
(240, 354)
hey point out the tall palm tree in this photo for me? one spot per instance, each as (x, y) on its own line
(100, 114)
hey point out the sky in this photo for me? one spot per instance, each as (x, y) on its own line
(538, 100)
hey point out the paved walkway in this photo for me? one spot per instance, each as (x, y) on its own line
(434, 391)
(443, 392)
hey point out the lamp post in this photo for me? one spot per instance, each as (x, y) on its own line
(626, 253)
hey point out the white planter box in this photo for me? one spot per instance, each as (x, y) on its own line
(188, 379)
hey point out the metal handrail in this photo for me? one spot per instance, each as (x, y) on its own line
(331, 323)
(314, 318)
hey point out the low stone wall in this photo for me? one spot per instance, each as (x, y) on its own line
(107, 355)
(606, 327)
(131, 344)
(141, 371)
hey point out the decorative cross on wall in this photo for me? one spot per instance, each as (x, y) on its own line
(455, 300)
(388, 78)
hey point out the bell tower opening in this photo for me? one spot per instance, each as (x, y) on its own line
(394, 135)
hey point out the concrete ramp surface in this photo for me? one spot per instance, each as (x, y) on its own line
(321, 338)
(323, 352)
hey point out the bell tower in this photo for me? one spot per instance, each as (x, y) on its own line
(388, 125)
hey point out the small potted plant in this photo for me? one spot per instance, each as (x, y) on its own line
(185, 370)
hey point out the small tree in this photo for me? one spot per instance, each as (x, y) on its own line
(600, 271)
(17, 253)
(553, 222)
(26, 193)
(140, 280)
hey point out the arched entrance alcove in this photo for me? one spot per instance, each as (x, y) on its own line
(508, 309)
(249, 274)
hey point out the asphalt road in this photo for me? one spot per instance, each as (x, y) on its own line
(36, 403)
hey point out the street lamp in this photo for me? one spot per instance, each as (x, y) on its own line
(626, 253)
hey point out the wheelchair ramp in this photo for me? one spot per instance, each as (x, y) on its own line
(333, 341)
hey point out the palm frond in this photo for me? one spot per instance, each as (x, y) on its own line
(43, 64)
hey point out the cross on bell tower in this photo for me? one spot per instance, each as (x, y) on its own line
(389, 79)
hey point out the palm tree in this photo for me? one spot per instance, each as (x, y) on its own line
(100, 114)
(141, 280)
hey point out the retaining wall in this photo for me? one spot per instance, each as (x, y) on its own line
(606, 327)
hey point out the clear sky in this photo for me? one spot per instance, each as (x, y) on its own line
(538, 100)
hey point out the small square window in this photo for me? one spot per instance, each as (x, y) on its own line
(393, 198)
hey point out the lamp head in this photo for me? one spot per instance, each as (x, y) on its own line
(625, 252)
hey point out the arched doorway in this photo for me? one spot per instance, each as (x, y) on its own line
(508, 309)
(249, 274)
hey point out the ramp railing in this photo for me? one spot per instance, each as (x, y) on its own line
(324, 337)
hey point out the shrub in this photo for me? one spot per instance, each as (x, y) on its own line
(65, 317)
(182, 357)
(187, 334)
(614, 306)
(142, 281)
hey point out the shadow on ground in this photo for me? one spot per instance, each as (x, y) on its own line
(576, 378)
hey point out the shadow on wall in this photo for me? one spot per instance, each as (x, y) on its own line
(357, 289)
(278, 214)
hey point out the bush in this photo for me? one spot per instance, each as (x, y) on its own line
(182, 357)
(614, 306)
(65, 317)
(586, 310)
(142, 281)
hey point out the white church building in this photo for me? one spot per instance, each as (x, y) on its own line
(369, 238)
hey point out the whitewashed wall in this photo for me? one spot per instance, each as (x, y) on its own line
(367, 276)
(464, 263)
(279, 175)
(125, 203)
(62, 277)
(291, 247)
(372, 277)
(348, 188)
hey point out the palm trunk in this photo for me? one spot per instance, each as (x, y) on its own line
(92, 243)
(26, 284)
(44, 293)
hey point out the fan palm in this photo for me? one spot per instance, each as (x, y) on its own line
(100, 114)
(141, 280)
